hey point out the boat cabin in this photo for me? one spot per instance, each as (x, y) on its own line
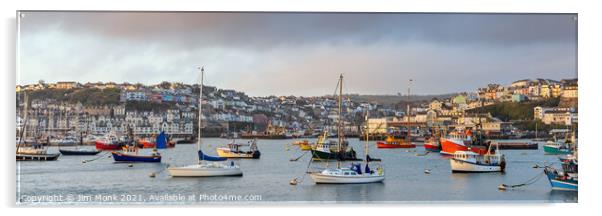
(472, 157)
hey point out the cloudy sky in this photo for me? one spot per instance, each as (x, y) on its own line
(298, 53)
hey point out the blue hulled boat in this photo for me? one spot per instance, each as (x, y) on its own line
(567, 179)
(121, 157)
(155, 157)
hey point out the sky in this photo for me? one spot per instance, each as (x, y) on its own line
(298, 53)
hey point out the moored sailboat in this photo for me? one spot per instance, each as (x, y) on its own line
(206, 166)
(353, 174)
(36, 152)
(326, 149)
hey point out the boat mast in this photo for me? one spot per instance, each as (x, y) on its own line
(23, 136)
(535, 129)
(340, 126)
(198, 146)
(409, 134)
(367, 136)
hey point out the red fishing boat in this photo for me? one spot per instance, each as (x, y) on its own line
(432, 144)
(458, 141)
(391, 142)
(100, 145)
(146, 143)
(109, 142)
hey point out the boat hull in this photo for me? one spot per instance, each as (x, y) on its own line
(78, 152)
(199, 171)
(320, 178)
(391, 145)
(107, 147)
(449, 147)
(432, 148)
(555, 150)
(348, 155)
(558, 184)
(120, 157)
(38, 157)
(226, 153)
(249, 136)
(305, 147)
(463, 166)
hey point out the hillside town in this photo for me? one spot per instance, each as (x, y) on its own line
(228, 111)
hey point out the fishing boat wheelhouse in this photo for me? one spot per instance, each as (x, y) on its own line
(468, 161)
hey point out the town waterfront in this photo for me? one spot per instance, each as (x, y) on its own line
(104, 182)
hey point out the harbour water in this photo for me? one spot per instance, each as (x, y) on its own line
(69, 181)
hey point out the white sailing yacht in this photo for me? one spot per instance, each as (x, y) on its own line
(353, 174)
(206, 165)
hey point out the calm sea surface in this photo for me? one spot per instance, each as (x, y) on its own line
(69, 181)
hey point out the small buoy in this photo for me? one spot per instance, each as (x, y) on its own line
(293, 181)
(427, 171)
(130, 165)
(83, 161)
(152, 175)
(501, 187)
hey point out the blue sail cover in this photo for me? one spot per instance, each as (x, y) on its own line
(161, 141)
(205, 157)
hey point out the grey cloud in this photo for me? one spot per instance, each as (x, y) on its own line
(266, 30)
(298, 53)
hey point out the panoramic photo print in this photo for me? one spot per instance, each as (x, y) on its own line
(193, 108)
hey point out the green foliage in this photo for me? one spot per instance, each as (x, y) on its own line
(91, 96)
(148, 106)
(513, 111)
(88, 96)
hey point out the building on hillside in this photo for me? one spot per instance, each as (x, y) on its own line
(557, 117)
(570, 92)
(519, 98)
(66, 85)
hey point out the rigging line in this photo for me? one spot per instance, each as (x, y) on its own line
(97, 158)
(528, 182)
(336, 88)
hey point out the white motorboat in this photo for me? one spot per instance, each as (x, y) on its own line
(468, 161)
(206, 165)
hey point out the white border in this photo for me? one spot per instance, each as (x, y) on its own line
(589, 65)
